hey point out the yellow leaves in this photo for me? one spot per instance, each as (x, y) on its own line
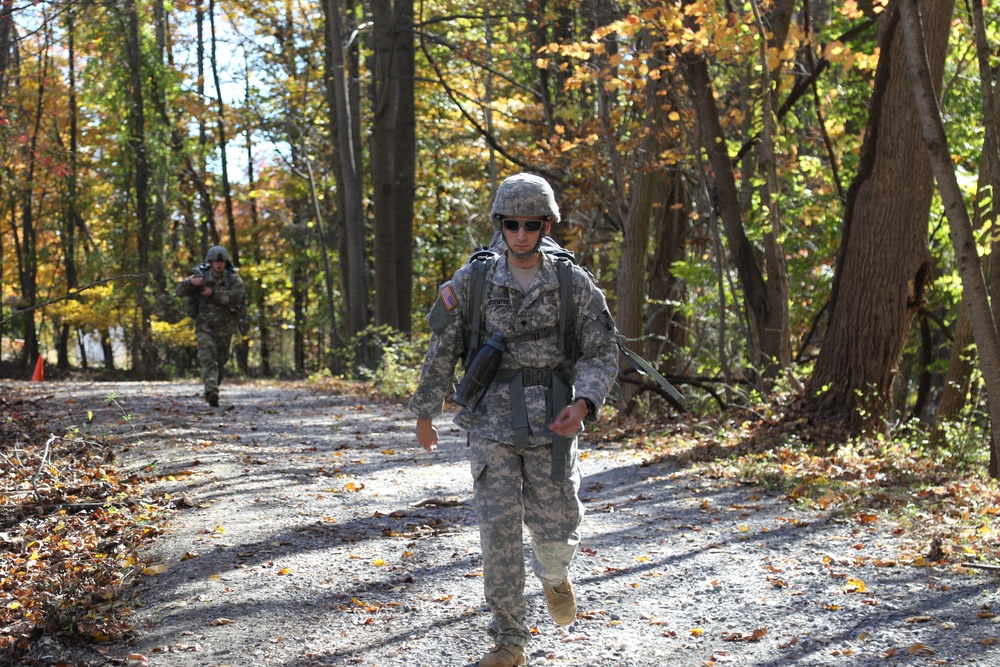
(154, 570)
(854, 585)
(284, 571)
(697, 632)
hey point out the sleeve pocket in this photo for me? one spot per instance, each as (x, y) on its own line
(439, 318)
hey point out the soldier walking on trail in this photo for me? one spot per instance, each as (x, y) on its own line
(214, 291)
(523, 429)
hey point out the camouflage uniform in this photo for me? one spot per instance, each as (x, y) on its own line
(511, 482)
(216, 321)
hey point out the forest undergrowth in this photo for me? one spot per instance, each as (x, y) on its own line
(72, 523)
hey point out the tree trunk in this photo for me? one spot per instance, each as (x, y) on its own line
(741, 251)
(976, 296)
(71, 215)
(958, 381)
(668, 330)
(405, 164)
(209, 232)
(347, 171)
(6, 41)
(883, 263)
(647, 181)
(385, 102)
(234, 247)
(28, 250)
(143, 352)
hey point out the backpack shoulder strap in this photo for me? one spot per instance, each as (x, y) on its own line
(482, 260)
(567, 334)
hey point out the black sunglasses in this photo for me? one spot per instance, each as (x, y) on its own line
(512, 225)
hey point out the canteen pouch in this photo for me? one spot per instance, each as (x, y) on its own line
(480, 374)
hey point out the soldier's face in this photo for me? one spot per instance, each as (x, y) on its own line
(218, 266)
(521, 242)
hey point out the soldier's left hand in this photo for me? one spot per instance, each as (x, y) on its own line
(206, 292)
(569, 419)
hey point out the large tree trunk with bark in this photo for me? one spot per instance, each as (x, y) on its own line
(405, 163)
(883, 265)
(385, 102)
(346, 168)
(144, 357)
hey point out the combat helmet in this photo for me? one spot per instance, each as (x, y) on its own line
(524, 195)
(217, 254)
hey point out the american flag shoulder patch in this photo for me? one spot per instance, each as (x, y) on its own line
(448, 297)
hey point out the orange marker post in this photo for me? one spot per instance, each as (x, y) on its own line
(39, 374)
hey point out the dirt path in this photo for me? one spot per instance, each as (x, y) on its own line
(313, 531)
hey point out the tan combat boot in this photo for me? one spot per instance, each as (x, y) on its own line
(561, 600)
(504, 655)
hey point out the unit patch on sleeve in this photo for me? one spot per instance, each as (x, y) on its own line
(448, 297)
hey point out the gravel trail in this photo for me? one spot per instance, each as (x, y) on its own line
(312, 530)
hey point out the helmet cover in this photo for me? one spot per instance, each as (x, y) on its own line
(525, 195)
(217, 254)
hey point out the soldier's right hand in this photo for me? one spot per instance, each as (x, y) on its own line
(197, 281)
(427, 435)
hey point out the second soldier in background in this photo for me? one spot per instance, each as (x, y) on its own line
(214, 292)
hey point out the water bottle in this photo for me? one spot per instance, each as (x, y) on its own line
(480, 374)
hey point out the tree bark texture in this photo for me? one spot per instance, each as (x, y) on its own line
(385, 102)
(405, 163)
(883, 263)
(347, 172)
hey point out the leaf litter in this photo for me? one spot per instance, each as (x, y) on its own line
(701, 545)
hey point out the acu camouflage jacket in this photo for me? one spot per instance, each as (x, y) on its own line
(514, 313)
(220, 312)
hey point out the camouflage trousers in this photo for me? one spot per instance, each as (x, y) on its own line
(213, 353)
(512, 489)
